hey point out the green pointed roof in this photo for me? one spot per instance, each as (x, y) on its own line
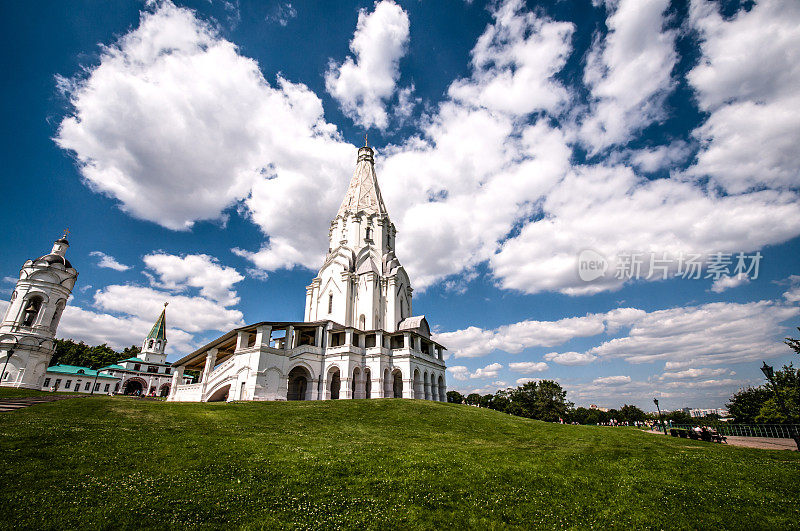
(159, 330)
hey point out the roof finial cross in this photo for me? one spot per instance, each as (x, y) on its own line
(166, 304)
(366, 144)
(66, 231)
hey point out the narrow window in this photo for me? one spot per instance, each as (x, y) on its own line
(137, 367)
(105, 390)
(368, 235)
(88, 384)
(46, 382)
(66, 385)
(330, 303)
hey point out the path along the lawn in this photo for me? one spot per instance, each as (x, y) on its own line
(765, 443)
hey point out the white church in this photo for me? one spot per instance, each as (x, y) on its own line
(359, 338)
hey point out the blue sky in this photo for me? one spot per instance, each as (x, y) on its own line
(198, 150)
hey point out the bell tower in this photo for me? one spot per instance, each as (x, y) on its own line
(156, 341)
(29, 327)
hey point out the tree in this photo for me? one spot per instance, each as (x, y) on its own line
(678, 417)
(454, 397)
(794, 344)
(486, 401)
(544, 400)
(473, 399)
(631, 413)
(783, 404)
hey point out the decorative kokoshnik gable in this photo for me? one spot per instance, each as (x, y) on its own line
(359, 339)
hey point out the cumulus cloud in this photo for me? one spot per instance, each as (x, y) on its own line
(747, 79)
(189, 313)
(793, 293)
(711, 334)
(155, 126)
(459, 372)
(528, 367)
(474, 342)
(693, 374)
(177, 273)
(727, 282)
(514, 63)
(490, 371)
(651, 160)
(628, 72)
(570, 358)
(612, 380)
(108, 261)
(363, 85)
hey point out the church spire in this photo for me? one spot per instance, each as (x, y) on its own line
(159, 330)
(363, 193)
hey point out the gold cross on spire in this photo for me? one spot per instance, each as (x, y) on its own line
(166, 304)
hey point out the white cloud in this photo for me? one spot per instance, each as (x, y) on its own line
(363, 85)
(793, 293)
(612, 380)
(528, 367)
(109, 261)
(156, 127)
(712, 334)
(747, 79)
(177, 273)
(727, 282)
(514, 63)
(523, 381)
(650, 160)
(459, 372)
(192, 314)
(282, 13)
(570, 358)
(474, 342)
(693, 374)
(490, 371)
(587, 208)
(117, 332)
(628, 72)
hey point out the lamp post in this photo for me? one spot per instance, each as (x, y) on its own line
(769, 373)
(9, 353)
(660, 420)
(96, 374)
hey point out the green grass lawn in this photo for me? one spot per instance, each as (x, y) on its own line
(12, 392)
(122, 463)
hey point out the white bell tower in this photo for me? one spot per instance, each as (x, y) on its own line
(28, 329)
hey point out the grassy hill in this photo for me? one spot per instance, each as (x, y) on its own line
(121, 463)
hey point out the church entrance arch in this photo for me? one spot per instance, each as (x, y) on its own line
(334, 383)
(442, 390)
(367, 383)
(134, 386)
(164, 391)
(357, 383)
(397, 384)
(220, 395)
(387, 384)
(299, 379)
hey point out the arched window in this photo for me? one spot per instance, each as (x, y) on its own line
(57, 314)
(31, 311)
(362, 322)
(330, 302)
(150, 344)
(368, 235)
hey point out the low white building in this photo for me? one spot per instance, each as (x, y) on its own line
(76, 379)
(148, 373)
(359, 338)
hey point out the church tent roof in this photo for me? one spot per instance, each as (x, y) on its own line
(363, 193)
(159, 330)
